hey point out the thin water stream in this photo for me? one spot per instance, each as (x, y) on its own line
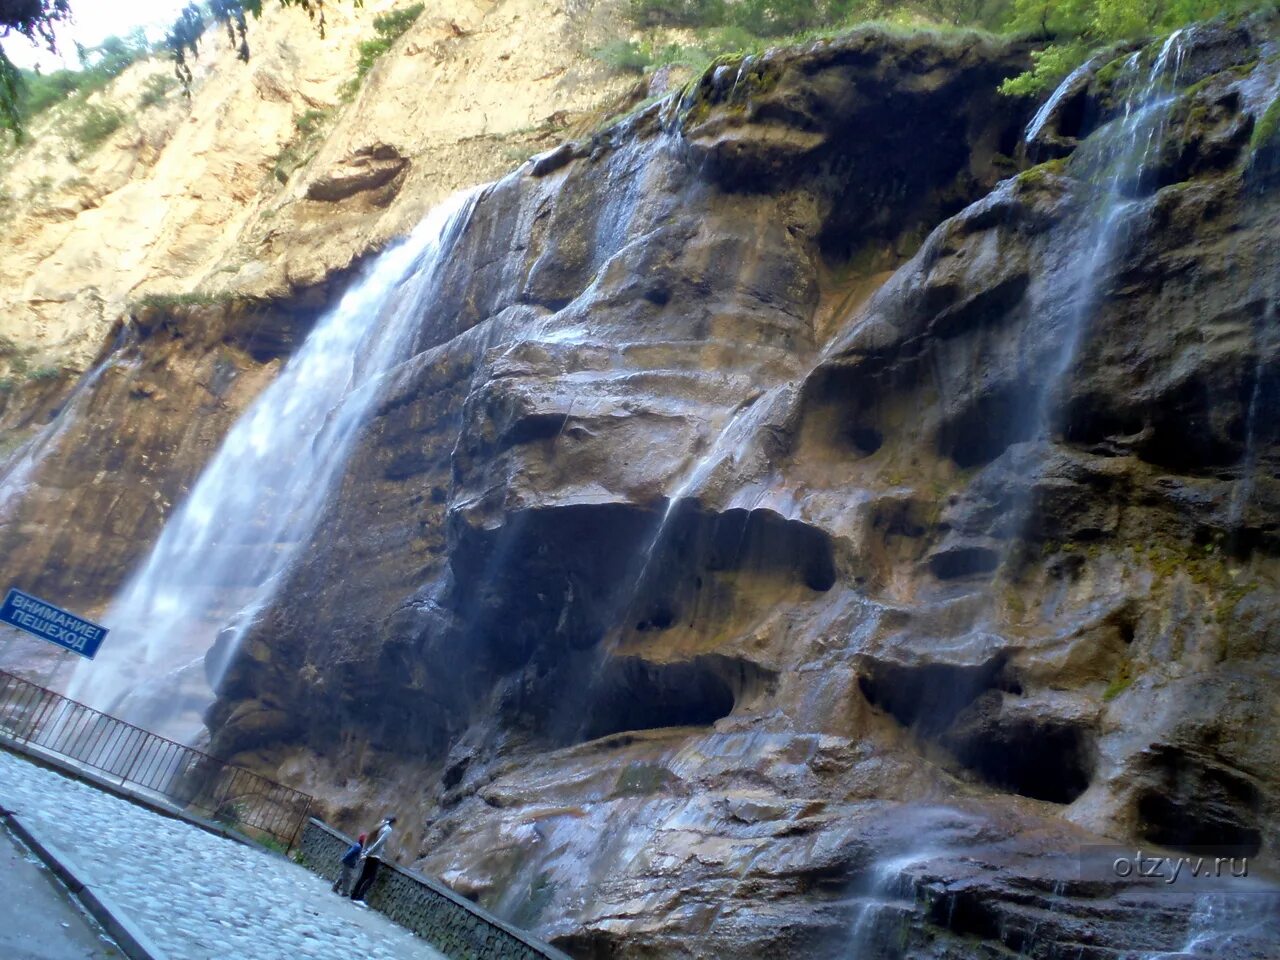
(17, 472)
(258, 500)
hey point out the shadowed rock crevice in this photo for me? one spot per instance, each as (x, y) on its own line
(536, 600)
(1192, 801)
(928, 697)
(965, 709)
(1038, 756)
(546, 581)
(632, 694)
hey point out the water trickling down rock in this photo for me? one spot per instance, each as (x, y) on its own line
(791, 533)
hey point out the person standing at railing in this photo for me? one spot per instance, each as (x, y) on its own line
(348, 865)
(369, 866)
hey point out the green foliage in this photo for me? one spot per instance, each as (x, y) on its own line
(1268, 125)
(678, 13)
(759, 18)
(1121, 682)
(780, 18)
(184, 36)
(1038, 174)
(624, 56)
(1070, 29)
(94, 124)
(628, 56)
(310, 122)
(44, 374)
(1051, 64)
(183, 39)
(155, 90)
(35, 20)
(395, 23)
(38, 92)
(387, 29)
(1076, 27)
(299, 150)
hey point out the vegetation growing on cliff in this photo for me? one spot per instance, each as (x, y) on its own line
(24, 93)
(387, 29)
(1074, 28)
(36, 92)
(1069, 29)
(1267, 127)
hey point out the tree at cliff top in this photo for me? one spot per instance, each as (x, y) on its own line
(1076, 27)
(36, 20)
(1070, 29)
(184, 36)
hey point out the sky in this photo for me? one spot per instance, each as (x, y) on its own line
(93, 21)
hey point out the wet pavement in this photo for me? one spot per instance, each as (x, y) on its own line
(194, 895)
(38, 919)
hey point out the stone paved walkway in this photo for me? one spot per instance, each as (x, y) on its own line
(195, 895)
(38, 920)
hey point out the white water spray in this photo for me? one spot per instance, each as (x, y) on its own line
(1046, 109)
(1129, 148)
(18, 471)
(223, 555)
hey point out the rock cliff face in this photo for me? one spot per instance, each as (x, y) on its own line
(271, 179)
(702, 571)
(791, 537)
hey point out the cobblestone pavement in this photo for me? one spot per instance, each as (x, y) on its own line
(38, 921)
(197, 896)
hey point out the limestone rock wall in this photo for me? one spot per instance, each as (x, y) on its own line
(710, 556)
(247, 188)
(738, 542)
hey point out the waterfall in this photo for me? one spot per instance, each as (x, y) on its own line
(223, 554)
(1127, 150)
(1046, 109)
(1255, 412)
(886, 898)
(18, 470)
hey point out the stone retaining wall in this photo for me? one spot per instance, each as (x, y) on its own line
(449, 922)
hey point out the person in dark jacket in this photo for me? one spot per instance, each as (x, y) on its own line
(369, 867)
(348, 866)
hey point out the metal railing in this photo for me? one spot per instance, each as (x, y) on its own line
(184, 777)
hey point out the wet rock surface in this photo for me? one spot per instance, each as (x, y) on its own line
(765, 553)
(94, 468)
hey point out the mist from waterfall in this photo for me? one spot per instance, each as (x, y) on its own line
(21, 466)
(224, 553)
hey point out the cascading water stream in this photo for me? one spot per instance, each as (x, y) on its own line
(1116, 162)
(17, 472)
(223, 555)
(1259, 413)
(1127, 151)
(1046, 109)
(888, 894)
